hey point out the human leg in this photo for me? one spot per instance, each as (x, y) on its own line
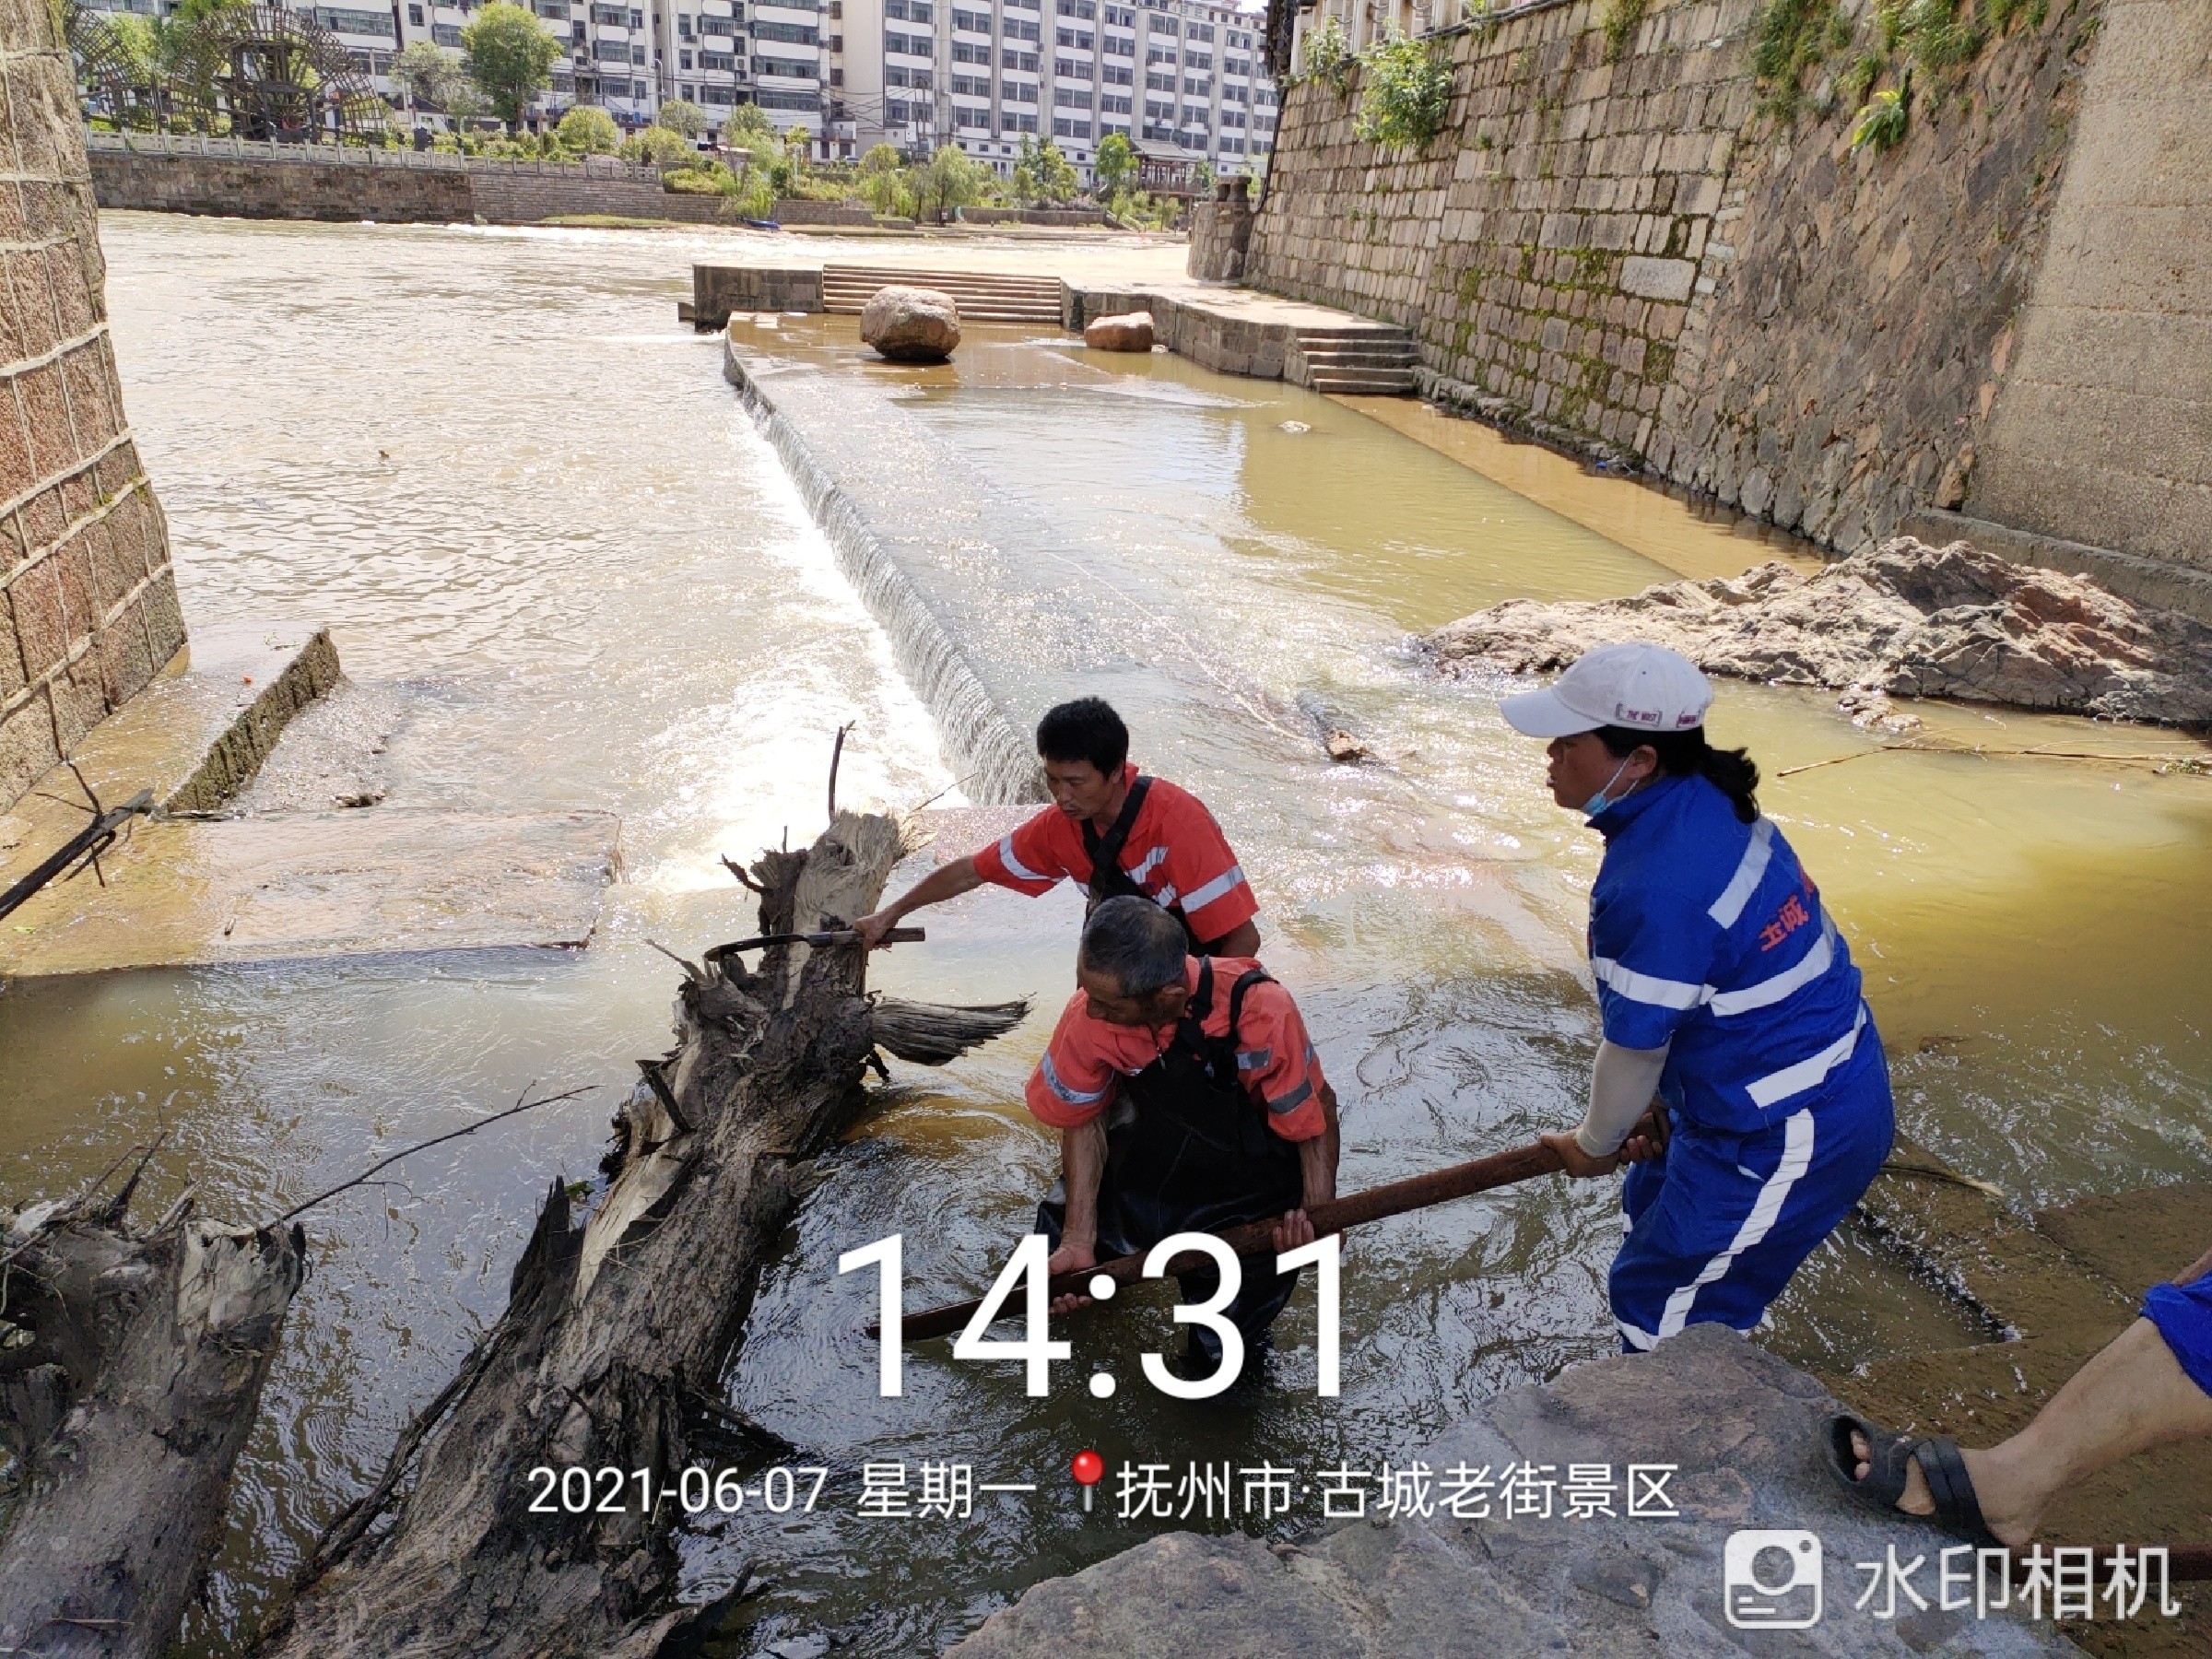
(1738, 1215)
(2150, 1385)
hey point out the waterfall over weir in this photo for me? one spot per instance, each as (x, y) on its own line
(985, 739)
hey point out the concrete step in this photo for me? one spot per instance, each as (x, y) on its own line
(1372, 385)
(1391, 357)
(984, 296)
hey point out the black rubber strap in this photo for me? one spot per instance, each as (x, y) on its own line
(1105, 851)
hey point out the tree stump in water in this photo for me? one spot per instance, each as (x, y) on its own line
(611, 1351)
(131, 1367)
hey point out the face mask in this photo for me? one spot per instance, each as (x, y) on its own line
(1598, 803)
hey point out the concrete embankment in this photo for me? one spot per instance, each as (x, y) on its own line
(1737, 1426)
(291, 181)
(1649, 249)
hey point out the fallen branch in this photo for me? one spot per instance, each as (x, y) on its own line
(437, 1140)
(2188, 763)
(616, 1330)
(131, 1367)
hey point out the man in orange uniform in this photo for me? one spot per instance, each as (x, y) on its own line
(1112, 828)
(1188, 1098)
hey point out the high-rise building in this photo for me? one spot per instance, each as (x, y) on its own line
(1180, 76)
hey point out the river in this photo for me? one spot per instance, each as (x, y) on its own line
(564, 570)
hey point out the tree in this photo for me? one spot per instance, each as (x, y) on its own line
(509, 56)
(1025, 181)
(1201, 178)
(882, 179)
(589, 130)
(946, 180)
(1056, 181)
(658, 146)
(686, 119)
(1116, 165)
(427, 75)
(746, 119)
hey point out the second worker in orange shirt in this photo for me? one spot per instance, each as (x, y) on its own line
(1188, 1098)
(1111, 828)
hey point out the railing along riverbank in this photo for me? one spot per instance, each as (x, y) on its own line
(244, 178)
(203, 146)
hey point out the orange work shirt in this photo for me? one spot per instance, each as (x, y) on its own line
(1175, 853)
(1076, 1080)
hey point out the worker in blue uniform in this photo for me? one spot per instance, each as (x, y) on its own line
(1726, 990)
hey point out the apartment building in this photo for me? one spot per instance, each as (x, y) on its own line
(1182, 75)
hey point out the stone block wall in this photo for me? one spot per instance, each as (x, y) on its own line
(2101, 430)
(257, 187)
(717, 290)
(88, 600)
(1221, 234)
(1640, 258)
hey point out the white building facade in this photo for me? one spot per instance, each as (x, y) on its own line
(987, 73)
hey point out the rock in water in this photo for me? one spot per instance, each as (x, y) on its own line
(1132, 331)
(1904, 619)
(912, 325)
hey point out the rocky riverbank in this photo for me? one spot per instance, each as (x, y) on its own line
(1738, 1424)
(1902, 620)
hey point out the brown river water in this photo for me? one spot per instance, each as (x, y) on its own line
(564, 570)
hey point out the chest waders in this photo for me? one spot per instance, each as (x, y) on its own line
(1188, 1149)
(1108, 879)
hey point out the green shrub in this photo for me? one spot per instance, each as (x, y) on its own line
(1407, 95)
(1328, 56)
(1881, 125)
(709, 178)
(1622, 18)
(1792, 36)
(1858, 80)
(658, 146)
(686, 119)
(589, 130)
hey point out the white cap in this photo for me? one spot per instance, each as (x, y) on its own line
(1645, 688)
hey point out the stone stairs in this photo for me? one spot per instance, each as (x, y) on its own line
(1376, 360)
(982, 297)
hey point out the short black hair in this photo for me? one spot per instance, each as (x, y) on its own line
(1085, 729)
(1134, 943)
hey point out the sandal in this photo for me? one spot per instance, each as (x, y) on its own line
(1958, 1510)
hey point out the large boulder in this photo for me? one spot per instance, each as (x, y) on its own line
(1132, 331)
(912, 325)
(1903, 620)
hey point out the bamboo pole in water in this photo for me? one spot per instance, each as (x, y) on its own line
(1419, 1191)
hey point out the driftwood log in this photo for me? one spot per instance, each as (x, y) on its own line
(131, 1367)
(611, 1350)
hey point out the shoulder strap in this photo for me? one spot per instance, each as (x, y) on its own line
(1190, 1030)
(1245, 981)
(1105, 851)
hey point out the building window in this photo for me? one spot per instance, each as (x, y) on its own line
(910, 11)
(1017, 92)
(414, 16)
(718, 95)
(974, 22)
(617, 16)
(716, 60)
(1071, 129)
(1024, 61)
(1080, 40)
(717, 26)
(797, 34)
(970, 51)
(1112, 104)
(1197, 60)
(1070, 69)
(773, 100)
(1160, 83)
(1019, 29)
(911, 45)
(446, 34)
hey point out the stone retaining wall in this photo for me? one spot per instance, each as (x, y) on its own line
(717, 290)
(258, 188)
(1634, 257)
(88, 600)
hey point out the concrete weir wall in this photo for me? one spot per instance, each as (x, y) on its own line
(300, 187)
(87, 601)
(2004, 313)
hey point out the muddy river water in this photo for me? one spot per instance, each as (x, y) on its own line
(564, 570)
